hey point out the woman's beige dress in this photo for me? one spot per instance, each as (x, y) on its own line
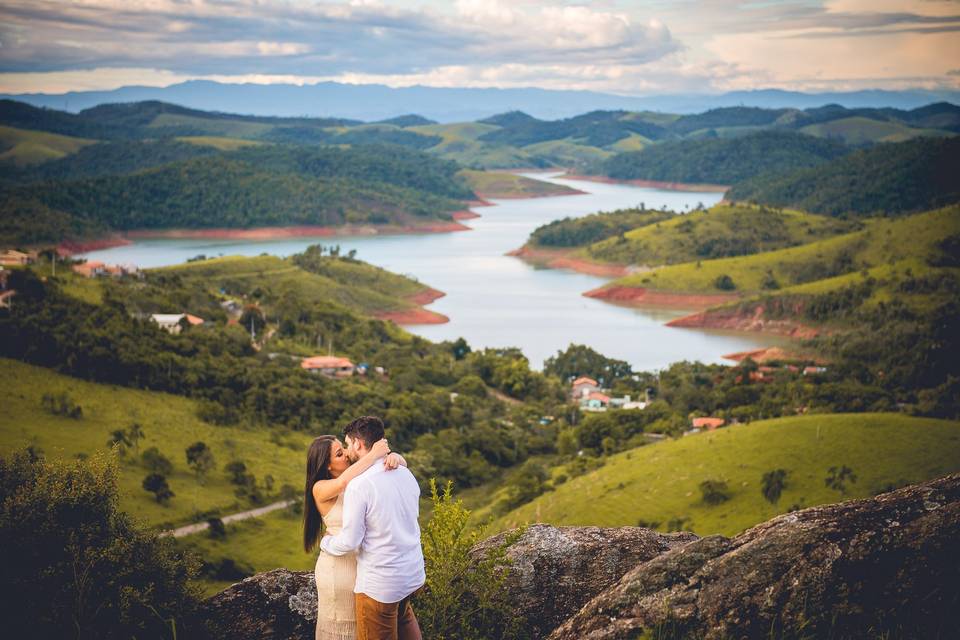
(336, 577)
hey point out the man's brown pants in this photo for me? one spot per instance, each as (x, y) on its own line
(386, 621)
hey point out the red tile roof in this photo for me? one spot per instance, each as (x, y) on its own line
(326, 362)
(585, 380)
(708, 423)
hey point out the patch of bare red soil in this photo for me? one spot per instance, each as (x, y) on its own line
(464, 215)
(562, 259)
(426, 296)
(654, 184)
(740, 320)
(413, 316)
(641, 296)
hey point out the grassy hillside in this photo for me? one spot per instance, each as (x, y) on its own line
(355, 285)
(169, 422)
(494, 184)
(659, 483)
(859, 130)
(888, 179)
(219, 143)
(723, 231)
(722, 160)
(22, 147)
(880, 242)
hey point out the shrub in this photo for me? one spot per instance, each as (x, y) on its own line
(156, 462)
(218, 530)
(156, 484)
(724, 283)
(76, 566)
(61, 404)
(714, 491)
(773, 484)
(463, 599)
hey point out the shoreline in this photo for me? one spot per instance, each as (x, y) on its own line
(563, 259)
(71, 247)
(653, 184)
(418, 315)
(746, 322)
(642, 296)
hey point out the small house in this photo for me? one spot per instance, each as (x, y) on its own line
(332, 366)
(12, 257)
(707, 424)
(583, 386)
(173, 322)
(595, 401)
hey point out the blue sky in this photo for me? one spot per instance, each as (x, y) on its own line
(618, 46)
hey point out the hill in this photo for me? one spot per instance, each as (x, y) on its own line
(170, 423)
(889, 179)
(722, 161)
(878, 243)
(493, 184)
(22, 147)
(659, 484)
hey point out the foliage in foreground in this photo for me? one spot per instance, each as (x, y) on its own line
(463, 599)
(76, 566)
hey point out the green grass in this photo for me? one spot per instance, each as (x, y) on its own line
(25, 147)
(221, 143)
(213, 126)
(170, 424)
(679, 239)
(492, 184)
(660, 482)
(566, 153)
(633, 142)
(358, 286)
(881, 242)
(858, 130)
(269, 542)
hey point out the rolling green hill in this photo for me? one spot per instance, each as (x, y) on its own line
(722, 161)
(880, 242)
(494, 184)
(659, 484)
(886, 179)
(22, 147)
(859, 130)
(170, 423)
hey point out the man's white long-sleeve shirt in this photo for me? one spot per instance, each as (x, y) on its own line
(380, 511)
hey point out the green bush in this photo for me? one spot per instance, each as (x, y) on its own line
(75, 566)
(463, 599)
(62, 404)
(714, 491)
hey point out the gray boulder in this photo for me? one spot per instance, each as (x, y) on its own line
(556, 570)
(887, 566)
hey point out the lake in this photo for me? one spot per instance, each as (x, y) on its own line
(494, 300)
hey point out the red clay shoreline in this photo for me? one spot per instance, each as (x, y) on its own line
(418, 315)
(654, 184)
(562, 259)
(641, 296)
(735, 319)
(69, 247)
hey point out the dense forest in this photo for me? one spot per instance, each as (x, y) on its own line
(722, 161)
(578, 232)
(887, 179)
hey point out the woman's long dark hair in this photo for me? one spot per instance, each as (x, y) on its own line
(318, 468)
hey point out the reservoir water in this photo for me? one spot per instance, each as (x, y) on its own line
(494, 300)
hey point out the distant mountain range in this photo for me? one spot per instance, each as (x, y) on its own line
(377, 102)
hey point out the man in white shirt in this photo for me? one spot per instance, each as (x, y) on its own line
(380, 512)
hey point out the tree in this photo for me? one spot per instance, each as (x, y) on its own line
(236, 470)
(725, 283)
(460, 349)
(134, 435)
(75, 566)
(580, 360)
(156, 462)
(529, 482)
(200, 459)
(218, 531)
(837, 478)
(120, 440)
(773, 484)
(156, 484)
(714, 491)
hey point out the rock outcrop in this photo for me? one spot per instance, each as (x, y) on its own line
(276, 604)
(888, 566)
(556, 570)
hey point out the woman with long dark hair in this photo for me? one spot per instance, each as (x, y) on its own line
(328, 473)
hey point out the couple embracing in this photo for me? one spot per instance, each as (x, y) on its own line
(370, 561)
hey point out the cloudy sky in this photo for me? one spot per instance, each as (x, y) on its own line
(631, 47)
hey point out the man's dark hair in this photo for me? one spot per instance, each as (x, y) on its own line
(367, 429)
